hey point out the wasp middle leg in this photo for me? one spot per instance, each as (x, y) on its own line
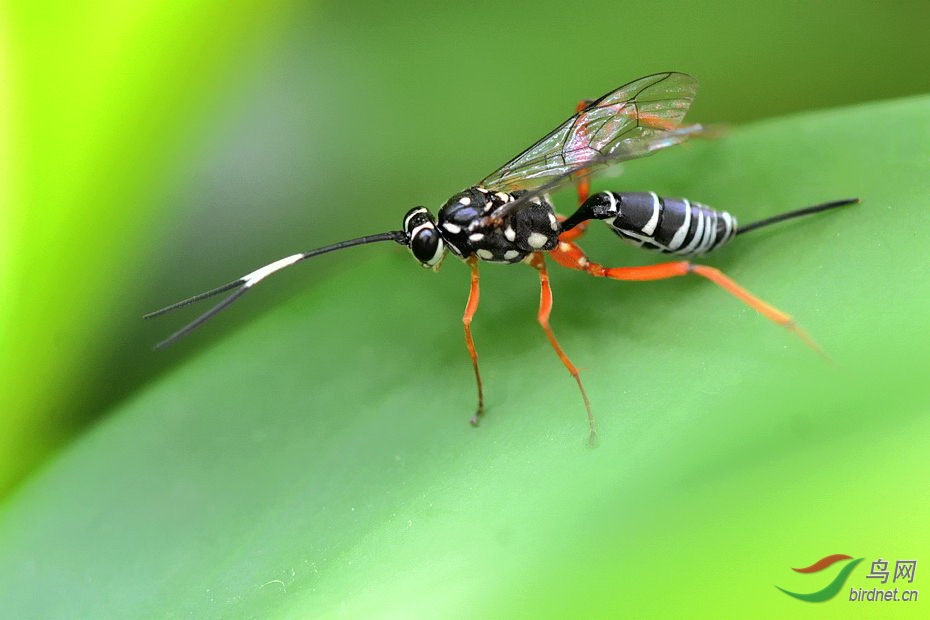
(545, 309)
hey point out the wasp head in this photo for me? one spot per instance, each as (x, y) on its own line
(424, 240)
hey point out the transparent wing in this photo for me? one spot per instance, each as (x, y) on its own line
(632, 121)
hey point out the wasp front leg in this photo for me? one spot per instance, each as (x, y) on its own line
(471, 307)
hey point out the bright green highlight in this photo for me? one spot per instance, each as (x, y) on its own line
(96, 98)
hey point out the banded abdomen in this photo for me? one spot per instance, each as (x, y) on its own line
(671, 225)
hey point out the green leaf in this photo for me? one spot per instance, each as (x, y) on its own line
(101, 101)
(319, 462)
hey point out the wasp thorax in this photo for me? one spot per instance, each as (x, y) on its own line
(424, 240)
(535, 228)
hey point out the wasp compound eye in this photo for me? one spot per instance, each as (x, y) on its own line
(426, 246)
(425, 241)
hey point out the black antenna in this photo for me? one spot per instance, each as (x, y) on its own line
(790, 215)
(249, 280)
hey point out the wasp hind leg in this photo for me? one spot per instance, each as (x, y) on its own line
(569, 255)
(545, 308)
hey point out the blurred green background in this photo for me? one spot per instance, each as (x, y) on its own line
(151, 150)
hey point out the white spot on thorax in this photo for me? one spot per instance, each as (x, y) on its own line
(452, 228)
(465, 200)
(476, 237)
(511, 254)
(553, 223)
(485, 254)
(536, 240)
(510, 234)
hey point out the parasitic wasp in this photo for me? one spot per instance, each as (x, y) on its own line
(508, 217)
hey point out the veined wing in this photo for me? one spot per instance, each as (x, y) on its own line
(632, 121)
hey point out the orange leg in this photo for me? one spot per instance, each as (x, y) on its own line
(545, 308)
(569, 255)
(470, 308)
(584, 189)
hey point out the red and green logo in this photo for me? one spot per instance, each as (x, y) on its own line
(834, 586)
